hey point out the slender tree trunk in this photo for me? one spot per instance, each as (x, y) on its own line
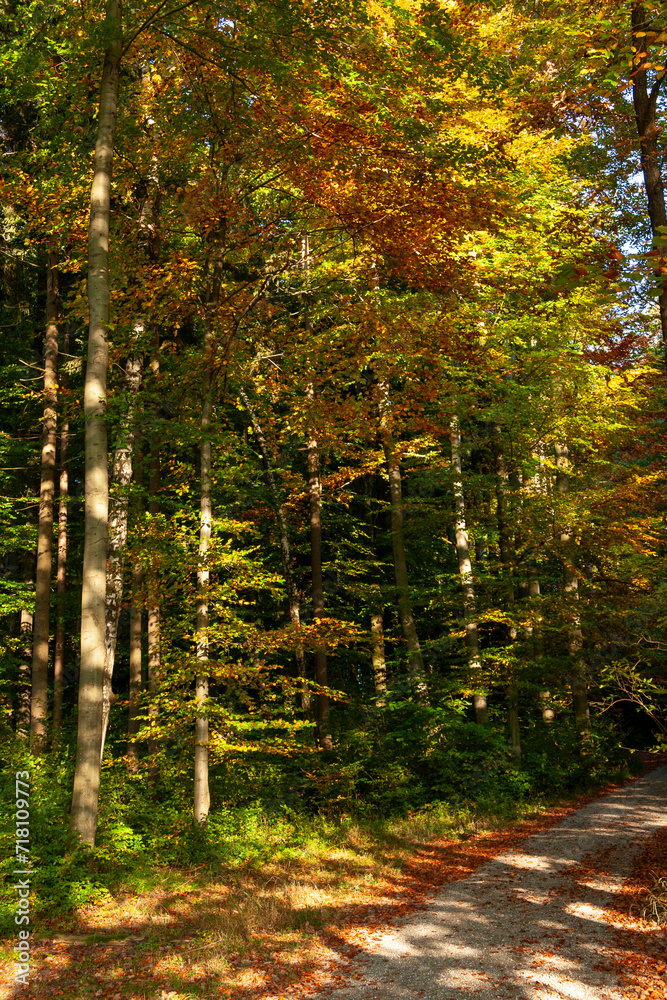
(135, 669)
(202, 798)
(645, 105)
(153, 604)
(59, 655)
(25, 653)
(25, 656)
(405, 612)
(40, 646)
(315, 495)
(285, 556)
(378, 659)
(315, 500)
(122, 476)
(87, 771)
(507, 561)
(578, 682)
(122, 467)
(379, 662)
(136, 626)
(512, 695)
(548, 714)
(465, 572)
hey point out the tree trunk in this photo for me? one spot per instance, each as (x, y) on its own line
(122, 476)
(202, 800)
(379, 662)
(23, 697)
(571, 589)
(153, 605)
(315, 495)
(285, 556)
(40, 644)
(507, 562)
(59, 655)
(512, 694)
(87, 771)
(25, 656)
(465, 572)
(548, 714)
(135, 669)
(405, 612)
(645, 105)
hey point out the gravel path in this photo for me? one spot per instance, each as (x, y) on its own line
(528, 924)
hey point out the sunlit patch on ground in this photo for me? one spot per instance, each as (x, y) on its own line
(287, 929)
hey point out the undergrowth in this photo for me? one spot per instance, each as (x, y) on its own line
(371, 800)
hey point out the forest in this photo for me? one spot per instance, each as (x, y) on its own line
(333, 408)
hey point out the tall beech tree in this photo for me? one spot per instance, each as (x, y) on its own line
(91, 685)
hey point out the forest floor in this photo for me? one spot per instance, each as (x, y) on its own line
(546, 907)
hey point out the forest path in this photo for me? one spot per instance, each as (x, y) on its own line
(528, 924)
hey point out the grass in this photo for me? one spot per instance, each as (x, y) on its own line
(277, 900)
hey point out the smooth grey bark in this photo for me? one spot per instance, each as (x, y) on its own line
(59, 653)
(83, 818)
(285, 555)
(122, 477)
(578, 682)
(465, 572)
(41, 621)
(645, 106)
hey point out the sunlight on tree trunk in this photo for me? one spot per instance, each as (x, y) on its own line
(379, 662)
(202, 799)
(87, 774)
(153, 627)
(465, 573)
